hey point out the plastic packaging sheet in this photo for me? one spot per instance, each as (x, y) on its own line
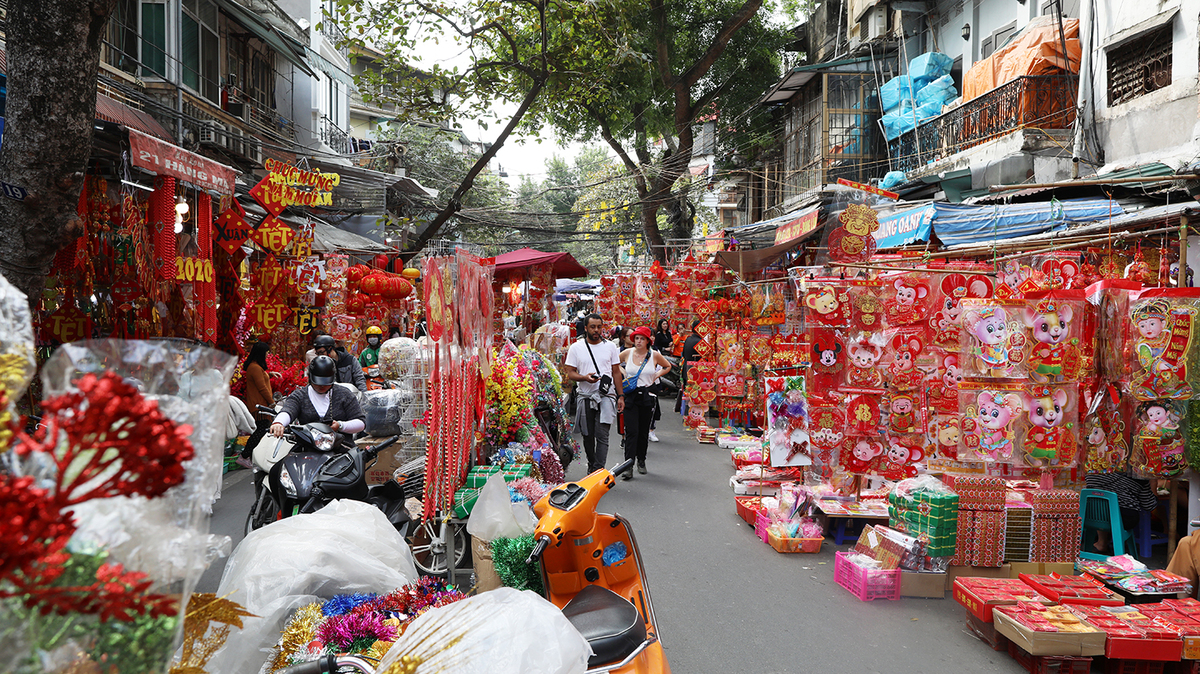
(504, 631)
(1036, 50)
(387, 411)
(16, 342)
(495, 515)
(345, 547)
(165, 537)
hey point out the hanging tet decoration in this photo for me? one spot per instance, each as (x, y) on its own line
(232, 230)
(273, 235)
(853, 240)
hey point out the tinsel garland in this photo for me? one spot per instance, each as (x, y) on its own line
(508, 556)
(344, 603)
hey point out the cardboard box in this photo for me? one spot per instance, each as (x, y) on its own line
(485, 571)
(927, 585)
(1050, 643)
(953, 572)
(1042, 568)
(986, 631)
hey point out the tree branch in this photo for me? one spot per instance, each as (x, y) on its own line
(732, 25)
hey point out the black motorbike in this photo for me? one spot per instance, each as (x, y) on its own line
(320, 467)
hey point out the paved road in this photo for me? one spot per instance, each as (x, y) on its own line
(725, 601)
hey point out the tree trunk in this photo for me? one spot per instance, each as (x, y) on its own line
(53, 56)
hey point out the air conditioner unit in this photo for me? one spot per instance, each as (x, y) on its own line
(213, 133)
(876, 22)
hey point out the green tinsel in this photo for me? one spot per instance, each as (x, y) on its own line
(508, 556)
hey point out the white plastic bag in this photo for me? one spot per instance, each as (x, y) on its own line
(347, 546)
(496, 516)
(504, 631)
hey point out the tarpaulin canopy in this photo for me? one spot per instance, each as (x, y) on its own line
(563, 285)
(957, 224)
(563, 265)
(1036, 50)
(749, 262)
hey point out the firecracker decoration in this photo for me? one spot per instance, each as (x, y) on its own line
(162, 223)
(104, 440)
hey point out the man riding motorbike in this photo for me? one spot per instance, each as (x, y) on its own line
(370, 355)
(348, 370)
(321, 401)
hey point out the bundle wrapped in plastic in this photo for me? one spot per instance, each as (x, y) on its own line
(504, 631)
(401, 358)
(389, 411)
(128, 460)
(928, 67)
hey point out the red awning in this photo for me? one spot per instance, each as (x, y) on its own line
(111, 110)
(564, 265)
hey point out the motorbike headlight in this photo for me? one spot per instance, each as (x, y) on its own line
(324, 441)
(289, 487)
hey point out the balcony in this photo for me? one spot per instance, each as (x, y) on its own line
(1038, 101)
(333, 136)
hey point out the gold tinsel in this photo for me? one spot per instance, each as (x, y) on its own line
(199, 643)
(297, 634)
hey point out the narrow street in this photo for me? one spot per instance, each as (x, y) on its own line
(725, 601)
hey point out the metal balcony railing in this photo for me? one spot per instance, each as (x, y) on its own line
(333, 136)
(1039, 101)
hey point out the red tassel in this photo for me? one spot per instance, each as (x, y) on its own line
(162, 223)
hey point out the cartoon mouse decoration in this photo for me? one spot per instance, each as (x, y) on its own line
(1054, 356)
(945, 323)
(900, 459)
(988, 424)
(994, 345)
(859, 454)
(863, 371)
(904, 375)
(829, 359)
(827, 306)
(907, 304)
(1049, 438)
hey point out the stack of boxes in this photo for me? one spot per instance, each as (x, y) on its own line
(1056, 525)
(927, 514)
(465, 497)
(981, 521)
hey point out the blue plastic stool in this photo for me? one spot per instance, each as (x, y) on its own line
(1098, 510)
(1147, 539)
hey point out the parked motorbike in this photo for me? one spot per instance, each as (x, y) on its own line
(593, 571)
(309, 467)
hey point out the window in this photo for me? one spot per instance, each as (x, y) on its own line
(1140, 65)
(154, 40)
(996, 40)
(1070, 8)
(120, 47)
(199, 53)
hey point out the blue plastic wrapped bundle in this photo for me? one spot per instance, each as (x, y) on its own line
(940, 90)
(929, 66)
(894, 91)
(896, 124)
(928, 110)
(891, 179)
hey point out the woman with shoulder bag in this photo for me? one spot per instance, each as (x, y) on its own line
(641, 367)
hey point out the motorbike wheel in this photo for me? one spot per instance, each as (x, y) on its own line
(429, 550)
(261, 513)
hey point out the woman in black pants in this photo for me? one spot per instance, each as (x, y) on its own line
(641, 366)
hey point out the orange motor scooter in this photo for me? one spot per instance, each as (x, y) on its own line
(593, 572)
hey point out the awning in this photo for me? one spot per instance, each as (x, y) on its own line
(1160, 216)
(267, 33)
(904, 227)
(112, 110)
(326, 66)
(564, 264)
(327, 238)
(792, 82)
(749, 262)
(1138, 29)
(959, 224)
(563, 285)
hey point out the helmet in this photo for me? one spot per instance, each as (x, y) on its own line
(374, 330)
(322, 371)
(324, 342)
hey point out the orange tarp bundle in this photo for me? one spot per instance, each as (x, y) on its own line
(1036, 50)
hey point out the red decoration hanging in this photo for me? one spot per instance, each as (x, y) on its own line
(162, 223)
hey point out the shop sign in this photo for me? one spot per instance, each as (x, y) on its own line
(898, 229)
(194, 270)
(273, 235)
(868, 188)
(797, 227)
(162, 158)
(305, 319)
(285, 185)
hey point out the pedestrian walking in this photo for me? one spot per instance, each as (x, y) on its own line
(641, 366)
(593, 364)
(258, 392)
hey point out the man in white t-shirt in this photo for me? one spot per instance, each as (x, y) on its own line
(593, 363)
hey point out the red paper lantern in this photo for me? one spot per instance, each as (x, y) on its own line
(381, 261)
(356, 304)
(373, 284)
(396, 288)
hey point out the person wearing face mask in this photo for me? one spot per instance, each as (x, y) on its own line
(370, 355)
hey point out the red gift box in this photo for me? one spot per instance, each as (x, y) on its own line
(977, 492)
(1054, 502)
(987, 543)
(965, 534)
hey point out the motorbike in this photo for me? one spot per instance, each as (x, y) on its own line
(669, 384)
(592, 570)
(308, 467)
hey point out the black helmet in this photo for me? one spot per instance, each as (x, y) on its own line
(324, 342)
(322, 371)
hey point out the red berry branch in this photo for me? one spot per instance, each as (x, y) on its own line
(104, 440)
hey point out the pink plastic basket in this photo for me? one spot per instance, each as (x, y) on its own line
(761, 524)
(866, 584)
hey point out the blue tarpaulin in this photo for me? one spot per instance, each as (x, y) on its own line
(959, 224)
(904, 227)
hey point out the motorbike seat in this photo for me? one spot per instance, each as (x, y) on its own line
(610, 623)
